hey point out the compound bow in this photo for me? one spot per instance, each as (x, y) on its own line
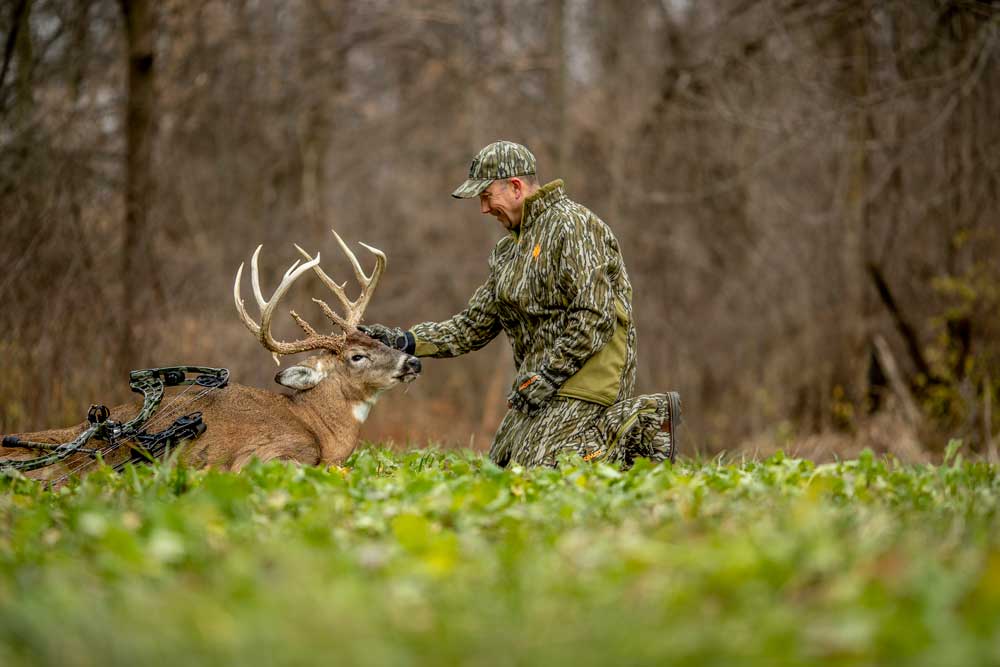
(151, 383)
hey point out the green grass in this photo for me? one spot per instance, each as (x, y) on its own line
(433, 558)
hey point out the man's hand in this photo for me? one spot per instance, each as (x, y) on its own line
(394, 337)
(532, 391)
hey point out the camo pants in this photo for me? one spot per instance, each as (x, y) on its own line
(617, 434)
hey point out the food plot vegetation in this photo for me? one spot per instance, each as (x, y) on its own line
(441, 558)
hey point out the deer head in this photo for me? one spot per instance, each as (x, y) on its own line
(356, 367)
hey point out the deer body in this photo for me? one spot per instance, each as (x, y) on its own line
(319, 422)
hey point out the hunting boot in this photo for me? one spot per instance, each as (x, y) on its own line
(651, 425)
(666, 442)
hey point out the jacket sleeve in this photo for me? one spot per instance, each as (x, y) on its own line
(467, 331)
(590, 263)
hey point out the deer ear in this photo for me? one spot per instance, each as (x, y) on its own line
(299, 377)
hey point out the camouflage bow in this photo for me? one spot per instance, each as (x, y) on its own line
(151, 383)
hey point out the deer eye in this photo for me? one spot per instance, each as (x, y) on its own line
(358, 357)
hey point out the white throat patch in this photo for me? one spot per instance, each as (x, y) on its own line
(361, 410)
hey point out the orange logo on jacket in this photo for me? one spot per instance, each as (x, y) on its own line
(537, 251)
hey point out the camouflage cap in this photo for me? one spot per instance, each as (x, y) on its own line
(501, 159)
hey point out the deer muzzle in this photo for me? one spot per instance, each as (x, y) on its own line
(409, 369)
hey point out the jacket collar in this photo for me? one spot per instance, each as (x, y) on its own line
(540, 201)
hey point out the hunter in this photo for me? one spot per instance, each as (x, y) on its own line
(559, 290)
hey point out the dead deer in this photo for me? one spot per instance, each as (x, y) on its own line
(332, 391)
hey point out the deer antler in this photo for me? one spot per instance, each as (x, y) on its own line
(312, 341)
(355, 309)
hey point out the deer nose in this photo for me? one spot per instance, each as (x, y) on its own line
(413, 364)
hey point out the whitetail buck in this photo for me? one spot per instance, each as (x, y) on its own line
(317, 423)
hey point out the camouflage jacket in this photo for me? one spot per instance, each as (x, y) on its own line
(558, 289)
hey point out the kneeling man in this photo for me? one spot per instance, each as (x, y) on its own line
(559, 290)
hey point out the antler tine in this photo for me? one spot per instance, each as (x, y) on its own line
(338, 290)
(368, 283)
(358, 271)
(267, 307)
(337, 319)
(355, 309)
(371, 281)
(240, 307)
(255, 278)
(267, 310)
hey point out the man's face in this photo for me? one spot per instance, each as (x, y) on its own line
(504, 200)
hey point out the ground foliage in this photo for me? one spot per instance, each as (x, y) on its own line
(434, 557)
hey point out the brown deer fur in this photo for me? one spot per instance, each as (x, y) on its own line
(317, 425)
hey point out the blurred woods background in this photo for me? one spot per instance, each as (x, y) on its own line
(807, 194)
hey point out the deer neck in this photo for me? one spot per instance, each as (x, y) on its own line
(334, 411)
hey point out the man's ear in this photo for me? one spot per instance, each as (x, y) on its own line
(518, 186)
(299, 377)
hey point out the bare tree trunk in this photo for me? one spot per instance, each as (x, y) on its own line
(857, 236)
(136, 266)
(896, 381)
(991, 447)
(18, 25)
(81, 45)
(321, 58)
(558, 85)
(23, 46)
(903, 324)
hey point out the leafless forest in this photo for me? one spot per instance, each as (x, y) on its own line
(807, 194)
